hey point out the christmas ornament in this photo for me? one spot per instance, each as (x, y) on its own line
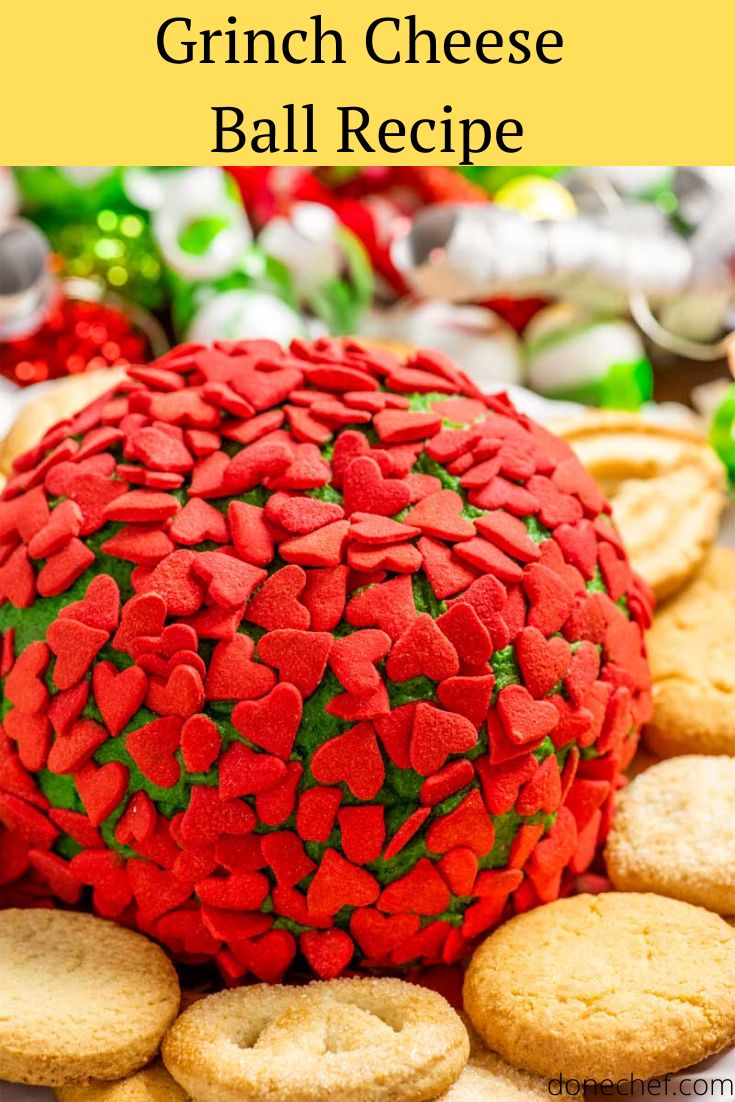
(8, 194)
(117, 249)
(537, 197)
(49, 329)
(75, 190)
(200, 228)
(310, 648)
(575, 356)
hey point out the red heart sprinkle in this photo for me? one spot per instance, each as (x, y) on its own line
(354, 758)
(229, 582)
(363, 832)
(367, 491)
(543, 662)
(325, 595)
(100, 607)
(271, 723)
(101, 789)
(378, 935)
(446, 573)
(24, 686)
(468, 825)
(328, 952)
(420, 891)
(73, 750)
(200, 743)
(141, 616)
(316, 813)
(242, 772)
(459, 869)
(422, 650)
(277, 603)
(353, 657)
(436, 735)
(198, 521)
(153, 748)
(299, 656)
(75, 646)
(59, 573)
(233, 675)
(338, 883)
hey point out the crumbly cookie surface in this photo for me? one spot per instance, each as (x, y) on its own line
(79, 998)
(674, 832)
(605, 986)
(152, 1084)
(666, 489)
(692, 655)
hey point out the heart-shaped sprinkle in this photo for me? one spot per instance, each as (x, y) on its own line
(118, 694)
(420, 892)
(299, 656)
(436, 735)
(468, 825)
(277, 604)
(543, 662)
(423, 649)
(233, 675)
(353, 658)
(75, 646)
(354, 758)
(328, 952)
(101, 789)
(153, 748)
(271, 723)
(243, 772)
(338, 883)
(367, 491)
(200, 743)
(524, 719)
(316, 813)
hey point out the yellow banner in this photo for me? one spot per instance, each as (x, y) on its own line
(151, 81)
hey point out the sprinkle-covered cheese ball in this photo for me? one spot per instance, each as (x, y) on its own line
(313, 656)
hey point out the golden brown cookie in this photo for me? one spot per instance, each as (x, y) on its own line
(152, 1084)
(80, 998)
(605, 986)
(361, 1040)
(692, 654)
(674, 833)
(666, 487)
(487, 1078)
(58, 400)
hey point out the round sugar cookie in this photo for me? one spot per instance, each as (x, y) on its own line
(605, 986)
(152, 1084)
(80, 998)
(487, 1078)
(692, 656)
(359, 1040)
(666, 487)
(674, 833)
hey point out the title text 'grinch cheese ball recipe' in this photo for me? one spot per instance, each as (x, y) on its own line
(314, 656)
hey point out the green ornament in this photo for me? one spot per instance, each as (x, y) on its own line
(117, 249)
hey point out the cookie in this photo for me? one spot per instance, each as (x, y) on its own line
(58, 400)
(152, 1084)
(674, 833)
(692, 656)
(666, 487)
(605, 986)
(80, 998)
(365, 1040)
(490, 1079)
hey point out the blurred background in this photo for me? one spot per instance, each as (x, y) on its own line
(602, 285)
